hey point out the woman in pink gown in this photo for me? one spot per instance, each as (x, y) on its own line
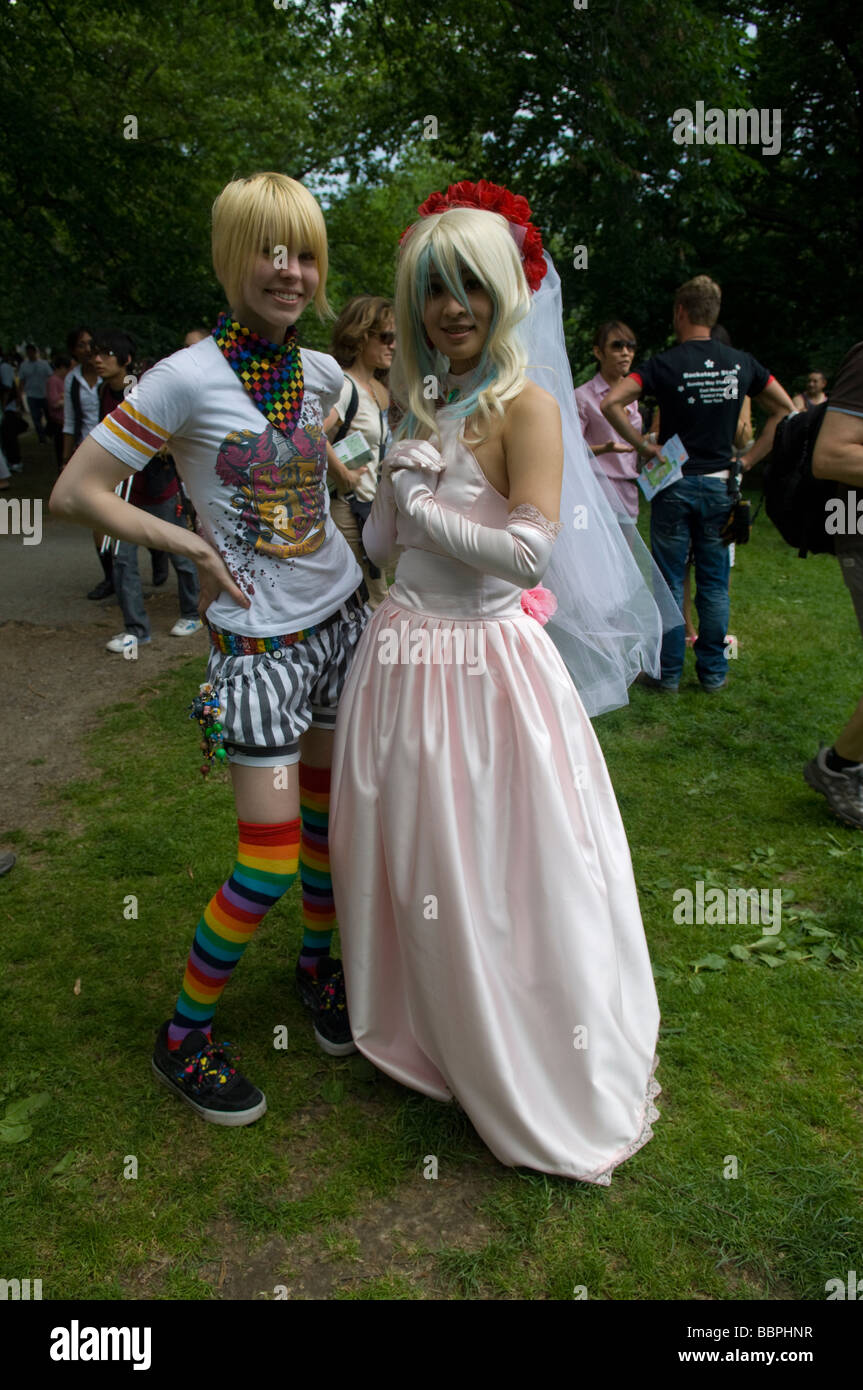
(491, 934)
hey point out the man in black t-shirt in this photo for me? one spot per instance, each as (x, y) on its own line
(837, 772)
(699, 386)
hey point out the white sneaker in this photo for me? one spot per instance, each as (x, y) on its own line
(125, 641)
(184, 626)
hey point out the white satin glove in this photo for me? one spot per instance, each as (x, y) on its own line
(379, 532)
(414, 454)
(385, 530)
(520, 553)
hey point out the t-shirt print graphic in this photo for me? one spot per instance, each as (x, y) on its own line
(278, 488)
(712, 383)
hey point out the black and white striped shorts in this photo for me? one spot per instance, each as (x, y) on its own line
(270, 699)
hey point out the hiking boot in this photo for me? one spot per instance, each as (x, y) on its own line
(843, 790)
(324, 997)
(200, 1074)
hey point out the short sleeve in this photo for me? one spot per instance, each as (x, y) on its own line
(846, 394)
(344, 399)
(646, 374)
(324, 376)
(759, 377)
(154, 410)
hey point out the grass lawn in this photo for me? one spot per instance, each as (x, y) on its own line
(326, 1197)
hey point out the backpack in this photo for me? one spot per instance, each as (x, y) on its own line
(795, 501)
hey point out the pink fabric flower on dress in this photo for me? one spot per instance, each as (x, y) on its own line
(539, 603)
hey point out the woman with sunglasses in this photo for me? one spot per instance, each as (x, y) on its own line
(363, 344)
(614, 349)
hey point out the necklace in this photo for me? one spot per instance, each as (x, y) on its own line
(455, 386)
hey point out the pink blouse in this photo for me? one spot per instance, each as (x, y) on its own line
(620, 469)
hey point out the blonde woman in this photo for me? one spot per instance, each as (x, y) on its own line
(363, 343)
(493, 945)
(242, 412)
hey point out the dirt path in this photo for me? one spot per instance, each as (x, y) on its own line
(56, 673)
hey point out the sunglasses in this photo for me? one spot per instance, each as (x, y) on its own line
(386, 338)
(618, 344)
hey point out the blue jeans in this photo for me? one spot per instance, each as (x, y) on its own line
(127, 580)
(38, 407)
(694, 510)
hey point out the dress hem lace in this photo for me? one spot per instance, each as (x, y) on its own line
(601, 1177)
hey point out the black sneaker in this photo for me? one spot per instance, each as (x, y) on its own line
(324, 997)
(102, 590)
(200, 1074)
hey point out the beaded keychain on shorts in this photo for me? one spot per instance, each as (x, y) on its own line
(206, 709)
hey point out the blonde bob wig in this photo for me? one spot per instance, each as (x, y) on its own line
(258, 214)
(456, 245)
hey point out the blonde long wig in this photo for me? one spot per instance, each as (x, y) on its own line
(458, 244)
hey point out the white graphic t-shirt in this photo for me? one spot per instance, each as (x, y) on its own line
(261, 497)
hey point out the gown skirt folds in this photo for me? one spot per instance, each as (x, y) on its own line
(490, 928)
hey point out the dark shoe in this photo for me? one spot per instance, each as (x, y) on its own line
(843, 790)
(7, 862)
(200, 1074)
(653, 684)
(103, 589)
(324, 997)
(717, 685)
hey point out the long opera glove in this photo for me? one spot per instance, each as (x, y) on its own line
(518, 553)
(381, 534)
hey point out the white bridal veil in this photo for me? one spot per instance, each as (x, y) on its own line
(613, 604)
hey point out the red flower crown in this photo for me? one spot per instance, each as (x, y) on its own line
(491, 197)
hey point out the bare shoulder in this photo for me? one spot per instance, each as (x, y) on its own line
(533, 422)
(533, 405)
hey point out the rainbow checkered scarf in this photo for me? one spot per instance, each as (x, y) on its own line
(272, 373)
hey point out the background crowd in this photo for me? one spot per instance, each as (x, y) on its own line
(622, 408)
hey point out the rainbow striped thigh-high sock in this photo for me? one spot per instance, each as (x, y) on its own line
(319, 912)
(266, 866)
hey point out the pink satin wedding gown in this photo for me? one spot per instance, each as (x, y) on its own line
(490, 928)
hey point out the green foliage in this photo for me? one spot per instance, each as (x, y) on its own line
(571, 107)
(107, 228)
